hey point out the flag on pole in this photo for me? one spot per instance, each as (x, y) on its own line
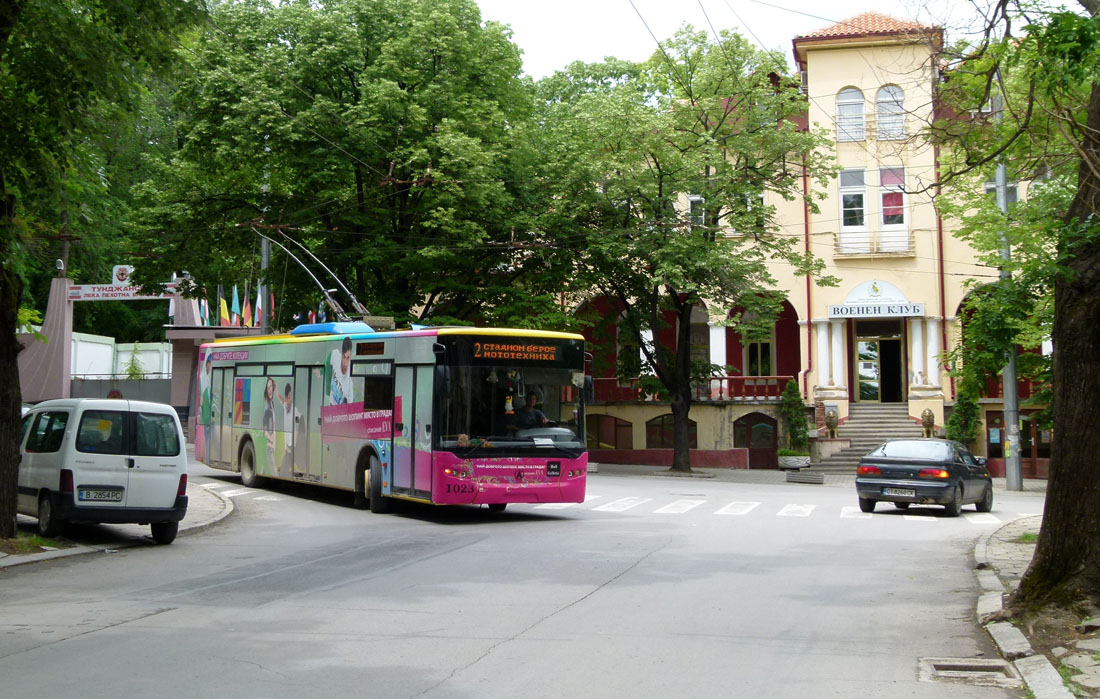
(204, 311)
(271, 308)
(312, 317)
(223, 309)
(246, 314)
(259, 314)
(235, 319)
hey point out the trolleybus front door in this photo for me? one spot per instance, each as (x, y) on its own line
(412, 430)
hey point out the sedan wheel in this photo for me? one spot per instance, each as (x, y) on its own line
(954, 507)
(986, 503)
(866, 505)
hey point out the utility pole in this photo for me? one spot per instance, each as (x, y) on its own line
(265, 259)
(1013, 470)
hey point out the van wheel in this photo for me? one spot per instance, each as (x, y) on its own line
(378, 502)
(164, 532)
(249, 479)
(48, 525)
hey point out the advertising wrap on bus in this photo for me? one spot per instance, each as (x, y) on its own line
(442, 416)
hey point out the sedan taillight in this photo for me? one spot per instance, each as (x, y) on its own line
(869, 471)
(934, 473)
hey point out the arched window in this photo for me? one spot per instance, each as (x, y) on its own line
(658, 433)
(609, 432)
(849, 115)
(890, 108)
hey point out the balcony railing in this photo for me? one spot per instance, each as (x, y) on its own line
(718, 388)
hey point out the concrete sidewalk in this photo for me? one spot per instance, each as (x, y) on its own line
(205, 508)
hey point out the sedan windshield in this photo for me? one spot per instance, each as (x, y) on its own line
(506, 408)
(914, 449)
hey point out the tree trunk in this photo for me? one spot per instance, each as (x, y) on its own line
(11, 291)
(681, 393)
(1066, 566)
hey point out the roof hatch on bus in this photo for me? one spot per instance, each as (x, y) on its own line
(347, 328)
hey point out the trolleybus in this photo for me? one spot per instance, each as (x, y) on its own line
(445, 416)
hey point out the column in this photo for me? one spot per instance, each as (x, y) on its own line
(824, 375)
(840, 376)
(916, 352)
(933, 349)
(718, 387)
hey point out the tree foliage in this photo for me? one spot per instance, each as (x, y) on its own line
(709, 120)
(62, 65)
(387, 136)
(1045, 63)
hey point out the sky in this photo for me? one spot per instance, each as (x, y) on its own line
(554, 33)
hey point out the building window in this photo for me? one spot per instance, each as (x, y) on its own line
(854, 237)
(659, 433)
(697, 213)
(759, 359)
(894, 233)
(849, 115)
(890, 105)
(609, 432)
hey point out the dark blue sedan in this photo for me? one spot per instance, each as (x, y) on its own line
(924, 471)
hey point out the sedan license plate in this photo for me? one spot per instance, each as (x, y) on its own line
(900, 492)
(98, 495)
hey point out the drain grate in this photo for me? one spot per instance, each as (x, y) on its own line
(979, 671)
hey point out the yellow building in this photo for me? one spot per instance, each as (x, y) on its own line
(868, 349)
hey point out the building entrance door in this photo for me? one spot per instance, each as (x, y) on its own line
(879, 369)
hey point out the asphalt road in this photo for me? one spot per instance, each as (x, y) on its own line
(653, 587)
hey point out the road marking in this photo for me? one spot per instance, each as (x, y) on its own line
(235, 493)
(854, 512)
(796, 511)
(622, 504)
(215, 485)
(590, 498)
(269, 498)
(679, 507)
(921, 518)
(982, 518)
(737, 508)
(555, 505)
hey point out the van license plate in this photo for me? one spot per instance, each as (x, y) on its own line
(900, 492)
(101, 495)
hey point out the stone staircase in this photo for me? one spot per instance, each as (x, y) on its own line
(868, 425)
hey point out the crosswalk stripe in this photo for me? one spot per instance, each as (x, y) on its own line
(240, 491)
(796, 510)
(982, 518)
(269, 498)
(622, 504)
(737, 508)
(214, 486)
(554, 505)
(679, 507)
(854, 512)
(921, 518)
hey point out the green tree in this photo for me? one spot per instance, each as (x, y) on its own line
(793, 412)
(706, 121)
(59, 64)
(1049, 75)
(387, 136)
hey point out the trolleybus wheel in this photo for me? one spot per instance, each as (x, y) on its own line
(378, 503)
(497, 506)
(249, 479)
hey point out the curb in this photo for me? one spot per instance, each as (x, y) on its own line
(1039, 675)
(11, 561)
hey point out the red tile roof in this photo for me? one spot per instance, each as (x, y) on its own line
(868, 24)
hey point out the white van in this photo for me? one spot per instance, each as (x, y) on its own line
(100, 460)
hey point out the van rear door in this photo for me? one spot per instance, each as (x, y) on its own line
(100, 469)
(157, 459)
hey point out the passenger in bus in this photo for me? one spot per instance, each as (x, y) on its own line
(290, 419)
(341, 387)
(270, 390)
(528, 416)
